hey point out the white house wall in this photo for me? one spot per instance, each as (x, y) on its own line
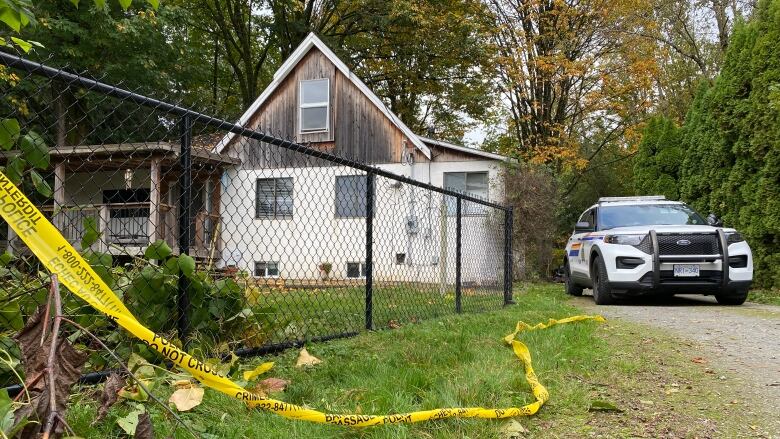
(86, 188)
(314, 235)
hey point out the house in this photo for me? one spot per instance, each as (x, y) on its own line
(286, 214)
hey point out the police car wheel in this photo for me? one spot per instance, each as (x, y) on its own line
(572, 289)
(602, 293)
(735, 298)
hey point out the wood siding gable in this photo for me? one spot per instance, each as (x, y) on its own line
(358, 130)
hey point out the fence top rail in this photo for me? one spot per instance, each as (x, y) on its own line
(36, 68)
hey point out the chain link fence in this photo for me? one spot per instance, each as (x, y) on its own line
(227, 239)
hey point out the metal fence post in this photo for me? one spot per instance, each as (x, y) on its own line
(185, 228)
(458, 254)
(370, 179)
(509, 216)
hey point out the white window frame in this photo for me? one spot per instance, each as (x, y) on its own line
(266, 275)
(361, 268)
(275, 215)
(469, 208)
(325, 104)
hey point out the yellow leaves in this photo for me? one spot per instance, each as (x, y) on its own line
(187, 398)
(249, 375)
(305, 359)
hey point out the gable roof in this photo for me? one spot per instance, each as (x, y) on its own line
(313, 41)
(465, 149)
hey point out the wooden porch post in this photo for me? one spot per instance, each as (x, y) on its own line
(105, 217)
(59, 196)
(155, 192)
(216, 202)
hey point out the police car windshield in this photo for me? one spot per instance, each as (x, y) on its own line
(611, 217)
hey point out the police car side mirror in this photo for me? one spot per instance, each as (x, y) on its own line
(714, 221)
(582, 226)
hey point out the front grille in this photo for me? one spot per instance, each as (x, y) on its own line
(700, 244)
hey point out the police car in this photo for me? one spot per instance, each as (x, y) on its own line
(629, 246)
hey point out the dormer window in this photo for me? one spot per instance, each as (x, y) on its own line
(314, 99)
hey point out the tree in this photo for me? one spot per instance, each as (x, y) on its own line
(253, 37)
(429, 60)
(534, 188)
(240, 33)
(691, 38)
(658, 159)
(104, 41)
(566, 67)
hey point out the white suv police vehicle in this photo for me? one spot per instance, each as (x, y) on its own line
(624, 246)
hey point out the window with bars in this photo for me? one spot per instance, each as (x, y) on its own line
(274, 198)
(468, 183)
(351, 196)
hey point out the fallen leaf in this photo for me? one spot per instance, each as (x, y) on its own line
(111, 388)
(66, 369)
(144, 428)
(513, 429)
(186, 399)
(183, 384)
(392, 324)
(305, 359)
(140, 367)
(272, 385)
(135, 392)
(699, 360)
(259, 370)
(129, 422)
(603, 406)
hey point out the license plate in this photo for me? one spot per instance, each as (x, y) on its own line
(686, 270)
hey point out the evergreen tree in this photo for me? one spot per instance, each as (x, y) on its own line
(657, 164)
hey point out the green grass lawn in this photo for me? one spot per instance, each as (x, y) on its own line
(306, 313)
(459, 360)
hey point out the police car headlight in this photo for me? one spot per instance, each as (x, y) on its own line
(624, 239)
(734, 237)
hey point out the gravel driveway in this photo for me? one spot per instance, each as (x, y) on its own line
(746, 338)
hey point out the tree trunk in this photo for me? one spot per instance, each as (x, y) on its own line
(722, 20)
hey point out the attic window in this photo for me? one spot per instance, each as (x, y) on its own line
(314, 105)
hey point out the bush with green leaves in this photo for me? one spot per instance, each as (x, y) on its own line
(220, 316)
(28, 155)
(658, 159)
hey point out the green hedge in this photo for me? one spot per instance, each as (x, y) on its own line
(730, 143)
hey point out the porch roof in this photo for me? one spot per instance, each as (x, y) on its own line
(142, 150)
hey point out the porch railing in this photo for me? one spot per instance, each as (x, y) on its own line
(127, 225)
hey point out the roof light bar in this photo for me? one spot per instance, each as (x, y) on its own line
(644, 198)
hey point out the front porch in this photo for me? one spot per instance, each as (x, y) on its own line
(126, 228)
(130, 194)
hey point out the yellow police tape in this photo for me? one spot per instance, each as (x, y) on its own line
(75, 273)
